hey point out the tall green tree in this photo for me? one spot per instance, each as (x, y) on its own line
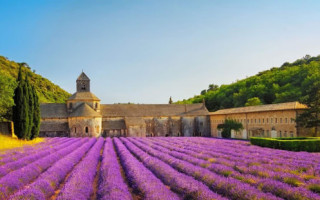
(30, 97)
(25, 110)
(311, 97)
(36, 115)
(17, 111)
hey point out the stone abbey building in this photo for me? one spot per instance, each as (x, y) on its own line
(83, 115)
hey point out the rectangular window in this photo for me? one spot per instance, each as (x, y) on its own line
(286, 120)
(267, 120)
(271, 120)
(251, 121)
(259, 121)
(276, 120)
(255, 121)
(280, 120)
(263, 120)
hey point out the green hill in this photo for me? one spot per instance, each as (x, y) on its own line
(277, 85)
(47, 91)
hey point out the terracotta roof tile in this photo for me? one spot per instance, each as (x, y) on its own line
(152, 110)
(53, 110)
(261, 108)
(84, 96)
(84, 110)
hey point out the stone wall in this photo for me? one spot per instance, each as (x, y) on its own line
(260, 124)
(6, 128)
(85, 127)
(188, 126)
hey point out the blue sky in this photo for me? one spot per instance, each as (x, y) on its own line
(145, 51)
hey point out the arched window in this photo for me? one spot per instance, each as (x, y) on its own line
(87, 129)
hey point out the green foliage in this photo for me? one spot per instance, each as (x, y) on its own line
(255, 101)
(314, 188)
(311, 144)
(47, 91)
(6, 93)
(229, 125)
(311, 97)
(277, 85)
(26, 112)
(36, 115)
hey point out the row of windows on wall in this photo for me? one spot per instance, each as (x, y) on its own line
(261, 121)
(267, 133)
(86, 129)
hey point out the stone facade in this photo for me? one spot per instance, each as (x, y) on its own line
(275, 120)
(83, 115)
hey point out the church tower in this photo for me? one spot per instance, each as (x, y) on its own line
(83, 83)
(84, 117)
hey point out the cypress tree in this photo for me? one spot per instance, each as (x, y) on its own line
(36, 115)
(17, 108)
(25, 110)
(30, 107)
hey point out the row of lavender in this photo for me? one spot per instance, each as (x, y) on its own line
(157, 168)
(287, 175)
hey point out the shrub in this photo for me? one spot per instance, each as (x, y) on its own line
(309, 144)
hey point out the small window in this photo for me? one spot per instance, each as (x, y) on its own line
(70, 105)
(271, 120)
(267, 120)
(259, 121)
(87, 129)
(280, 120)
(263, 120)
(96, 105)
(286, 120)
(276, 120)
(75, 129)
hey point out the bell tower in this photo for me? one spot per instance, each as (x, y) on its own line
(83, 83)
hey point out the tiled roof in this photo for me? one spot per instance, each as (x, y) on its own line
(84, 96)
(84, 110)
(83, 76)
(53, 110)
(152, 110)
(262, 108)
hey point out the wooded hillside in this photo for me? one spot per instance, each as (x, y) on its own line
(46, 90)
(277, 85)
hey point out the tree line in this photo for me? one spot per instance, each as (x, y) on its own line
(297, 81)
(26, 111)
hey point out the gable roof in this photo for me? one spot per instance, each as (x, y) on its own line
(83, 77)
(152, 110)
(261, 108)
(53, 110)
(84, 96)
(84, 110)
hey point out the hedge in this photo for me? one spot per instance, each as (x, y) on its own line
(310, 144)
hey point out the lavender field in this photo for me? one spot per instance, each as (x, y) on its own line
(156, 168)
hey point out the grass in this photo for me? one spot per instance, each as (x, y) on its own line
(7, 142)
